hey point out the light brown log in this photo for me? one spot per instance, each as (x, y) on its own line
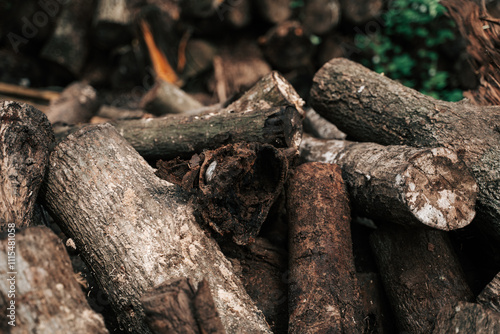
(401, 184)
(47, 297)
(274, 11)
(25, 137)
(421, 274)
(29, 93)
(371, 107)
(319, 127)
(135, 230)
(76, 104)
(467, 318)
(323, 292)
(112, 23)
(320, 16)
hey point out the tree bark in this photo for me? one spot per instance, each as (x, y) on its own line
(112, 23)
(274, 11)
(361, 11)
(25, 137)
(467, 318)
(490, 296)
(76, 104)
(320, 16)
(323, 293)
(371, 107)
(48, 298)
(420, 273)
(136, 230)
(401, 184)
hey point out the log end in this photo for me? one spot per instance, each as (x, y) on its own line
(439, 189)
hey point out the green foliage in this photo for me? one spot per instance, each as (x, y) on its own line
(406, 48)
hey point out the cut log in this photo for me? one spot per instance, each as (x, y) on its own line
(136, 230)
(176, 307)
(420, 273)
(199, 8)
(490, 296)
(40, 291)
(401, 184)
(323, 292)
(112, 24)
(166, 98)
(467, 318)
(115, 113)
(25, 137)
(361, 11)
(371, 107)
(318, 127)
(274, 11)
(76, 104)
(68, 44)
(320, 16)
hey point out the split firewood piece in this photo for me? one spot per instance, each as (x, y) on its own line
(176, 307)
(238, 183)
(467, 318)
(39, 289)
(323, 292)
(68, 44)
(319, 127)
(402, 184)
(490, 296)
(320, 16)
(25, 137)
(76, 104)
(169, 137)
(112, 23)
(361, 11)
(420, 272)
(136, 230)
(166, 98)
(371, 107)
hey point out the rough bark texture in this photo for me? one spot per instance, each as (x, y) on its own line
(135, 230)
(25, 137)
(401, 184)
(467, 318)
(323, 292)
(48, 298)
(371, 107)
(490, 296)
(420, 273)
(77, 104)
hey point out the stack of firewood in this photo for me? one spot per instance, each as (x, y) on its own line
(243, 225)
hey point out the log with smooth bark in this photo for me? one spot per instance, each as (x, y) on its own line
(323, 292)
(319, 127)
(25, 137)
(467, 318)
(135, 230)
(420, 272)
(401, 184)
(76, 104)
(48, 298)
(371, 107)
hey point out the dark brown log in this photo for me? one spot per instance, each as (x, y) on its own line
(239, 13)
(115, 113)
(361, 11)
(467, 318)
(371, 107)
(318, 127)
(420, 273)
(166, 98)
(262, 267)
(199, 8)
(77, 104)
(25, 137)
(40, 287)
(401, 184)
(323, 293)
(490, 296)
(136, 230)
(320, 16)
(68, 43)
(287, 46)
(274, 11)
(176, 307)
(112, 23)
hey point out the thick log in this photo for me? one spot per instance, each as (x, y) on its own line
(371, 107)
(112, 23)
(68, 44)
(199, 8)
(420, 273)
(178, 307)
(274, 11)
(41, 289)
(401, 184)
(25, 137)
(323, 293)
(490, 296)
(76, 104)
(361, 11)
(320, 16)
(319, 127)
(136, 230)
(467, 318)
(166, 98)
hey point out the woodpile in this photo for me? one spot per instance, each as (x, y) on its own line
(168, 209)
